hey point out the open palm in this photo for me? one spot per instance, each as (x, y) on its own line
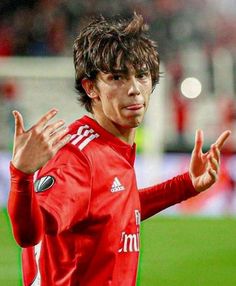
(34, 147)
(204, 167)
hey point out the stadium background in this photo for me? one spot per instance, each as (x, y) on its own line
(190, 243)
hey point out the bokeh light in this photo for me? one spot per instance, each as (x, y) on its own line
(191, 87)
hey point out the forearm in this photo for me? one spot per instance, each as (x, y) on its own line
(157, 198)
(24, 212)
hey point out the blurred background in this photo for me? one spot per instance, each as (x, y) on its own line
(192, 242)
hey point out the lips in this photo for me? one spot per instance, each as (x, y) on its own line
(136, 106)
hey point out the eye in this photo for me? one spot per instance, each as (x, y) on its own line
(117, 77)
(114, 77)
(142, 75)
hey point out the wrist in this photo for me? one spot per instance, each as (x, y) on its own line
(23, 170)
(17, 172)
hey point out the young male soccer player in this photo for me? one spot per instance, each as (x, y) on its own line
(79, 222)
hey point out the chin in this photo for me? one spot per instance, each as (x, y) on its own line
(135, 122)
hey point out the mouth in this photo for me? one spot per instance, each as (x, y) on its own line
(135, 106)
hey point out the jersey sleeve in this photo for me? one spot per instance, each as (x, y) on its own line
(63, 189)
(23, 210)
(158, 197)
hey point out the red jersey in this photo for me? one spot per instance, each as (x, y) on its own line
(92, 211)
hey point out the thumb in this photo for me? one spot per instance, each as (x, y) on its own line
(19, 123)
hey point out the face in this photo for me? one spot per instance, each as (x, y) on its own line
(122, 97)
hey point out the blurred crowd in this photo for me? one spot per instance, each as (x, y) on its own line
(48, 27)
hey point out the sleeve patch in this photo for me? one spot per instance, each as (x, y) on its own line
(44, 183)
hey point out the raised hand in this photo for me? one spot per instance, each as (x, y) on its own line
(34, 147)
(204, 167)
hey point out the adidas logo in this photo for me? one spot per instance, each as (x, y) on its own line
(117, 186)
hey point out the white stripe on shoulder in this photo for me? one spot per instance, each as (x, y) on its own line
(87, 140)
(83, 136)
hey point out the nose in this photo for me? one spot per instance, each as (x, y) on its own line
(134, 87)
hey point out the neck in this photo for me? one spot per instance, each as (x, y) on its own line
(125, 134)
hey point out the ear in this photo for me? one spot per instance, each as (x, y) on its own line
(90, 88)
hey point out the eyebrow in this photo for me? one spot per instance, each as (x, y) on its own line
(126, 71)
(119, 71)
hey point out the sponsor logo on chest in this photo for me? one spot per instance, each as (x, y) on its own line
(130, 242)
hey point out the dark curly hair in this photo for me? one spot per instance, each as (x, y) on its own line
(105, 44)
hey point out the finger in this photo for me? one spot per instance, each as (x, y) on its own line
(213, 163)
(19, 122)
(46, 117)
(50, 129)
(213, 175)
(62, 143)
(58, 135)
(198, 141)
(215, 152)
(222, 138)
